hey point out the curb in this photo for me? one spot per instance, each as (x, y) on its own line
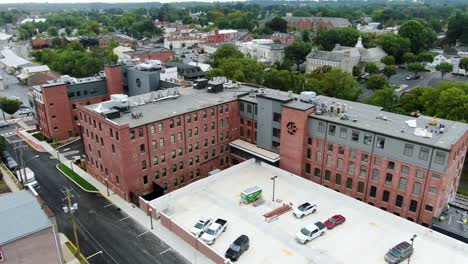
(78, 253)
(107, 197)
(57, 167)
(68, 143)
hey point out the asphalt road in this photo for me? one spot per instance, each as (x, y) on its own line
(72, 150)
(101, 226)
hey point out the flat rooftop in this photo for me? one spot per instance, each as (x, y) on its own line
(367, 234)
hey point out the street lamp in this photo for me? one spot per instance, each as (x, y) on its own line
(412, 249)
(274, 181)
(151, 217)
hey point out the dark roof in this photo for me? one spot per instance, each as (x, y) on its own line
(186, 70)
(42, 77)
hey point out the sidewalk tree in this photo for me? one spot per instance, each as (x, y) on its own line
(389, 70)
(297, 52)
(463, 64)
(371, 68)
(388, 60)
(376, 82)
(9, 106)
(444, 68)
(425, 57)
(408, 57)
(415, 67)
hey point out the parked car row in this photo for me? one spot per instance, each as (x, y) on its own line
(208, 230)
(8, 160)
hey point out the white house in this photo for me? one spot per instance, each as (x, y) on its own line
(264, 50)
(439, 59)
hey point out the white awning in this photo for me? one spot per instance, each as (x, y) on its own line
(254, 150)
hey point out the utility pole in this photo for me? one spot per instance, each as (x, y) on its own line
(70, 209)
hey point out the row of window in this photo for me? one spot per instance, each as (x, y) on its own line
(154, 143)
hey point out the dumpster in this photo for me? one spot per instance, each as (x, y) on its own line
(251, 194)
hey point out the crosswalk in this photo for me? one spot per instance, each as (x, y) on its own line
(8, 134)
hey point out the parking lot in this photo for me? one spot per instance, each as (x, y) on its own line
(366, 236)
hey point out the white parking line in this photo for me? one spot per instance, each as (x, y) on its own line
(124, 218)
(143, 233)
(165, 251)
(108, 205)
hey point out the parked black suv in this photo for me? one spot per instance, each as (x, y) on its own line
(239, 246)
(399, 253)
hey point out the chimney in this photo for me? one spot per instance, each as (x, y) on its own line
(114, 83)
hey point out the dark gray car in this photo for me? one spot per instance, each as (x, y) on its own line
(399, 253)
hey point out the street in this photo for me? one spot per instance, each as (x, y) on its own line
(101, 225)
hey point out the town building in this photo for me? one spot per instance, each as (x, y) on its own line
(222, 35)
(120, 39)
(158, 142)
(187, 71)
(312, 23)
(150, 53)
(376, 28)
(56, 101)
(284, 38)
(29, 232)
(263, 50)
(345, 58)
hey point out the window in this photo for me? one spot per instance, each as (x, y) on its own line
(377, 161)
(276, 132)
(318, 158)
(417, 188)
(164, 172)
(363, 171)
(161, 142)
(309, 153)
(317, 172)
(249, 108)
(276, 117)
(142, 148)
(353, 154)
(327, 175)
(212, 125)
(307, 168)
(399, 201)
(195, 117)
(180, 151)
(413, 206)
(196, 131)
(391, 165)
(165, 186)
(156, 175)
(206, 142)
(182, 179)
(153, 144)
(419, 174)
(373, 191)
(408, 151)
(404, 169)
(173, 154)
(191, 175)
(380, 142)
(242, 121)
(375, 175)
(227, 108)
(330, 147)
(181, 165)
(190, 148)
(132, 134)
(433, 190)
(189, 118)
(172, 138)
(197, 159)
(140, 132)
(332, 130)
(221, 109)
(339, 164)
(206, 155)
(367, 139)
(329, 160)
(343, 132)
(179, 136)
(341, 150)
(385, 196)
(174, 167)
(178, 121)
(428, 208)
(351, 167)
(160, 127)
(388, 179)
(189, 132)
(221, 123)
(440, 157)
(155, 161)
(435, 176)
(349, 183)
(145, 179)
(355, 135)
(402, 184)
(171, 123)
(143, 164)
(175, 182)
(365, 157)
(197, 146)
(360, 187)
(321, 127)
(113, 148)
(241, 107)
(205, 127)
(338, 179)
(423, 153)
(163, 158)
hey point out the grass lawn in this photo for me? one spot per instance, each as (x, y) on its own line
(73, 250)
(82, 182)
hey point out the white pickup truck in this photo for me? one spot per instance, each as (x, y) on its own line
(310, 232)
(201, 226)
(214, 231)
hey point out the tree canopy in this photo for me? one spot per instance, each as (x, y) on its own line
(444, 68)
(9, 106)
(297, 52)
(277, 24)
(420, 34)
(224, 52)
(457, 28)
(376, 82)
(348, 36)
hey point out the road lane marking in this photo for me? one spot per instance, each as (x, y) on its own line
(108, 205)
(86, 230)
(164, 250)
(124, 218)
(143, 233)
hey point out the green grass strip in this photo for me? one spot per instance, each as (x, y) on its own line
(82, 182)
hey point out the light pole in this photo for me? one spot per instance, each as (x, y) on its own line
(151, 217)
(58, 153)
(70, 210)
(107, 186)
(274, 181)
(412, 249)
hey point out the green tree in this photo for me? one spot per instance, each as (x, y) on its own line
(344, 36)
(394, 45)
(356, 71)
(283, 80)
(371, 68)
(386, 98)
(463, 64)
(277, 24)
(9, 106)
(420, 34)
(415, 67)
(305, 34)
(444, 68)
(457, 28)
(376, 82)
(425, 57)
(408, 57)
(68, 30)
(239, 69)
(3, 143)
(388, 60)
(339, 84)
(409, 102)
(223, 52)
(297, 52)
(52, 31)
(389, 70)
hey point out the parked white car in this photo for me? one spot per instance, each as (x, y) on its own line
(214, 231)
(304, 209)
(310, 232)
(201, 226)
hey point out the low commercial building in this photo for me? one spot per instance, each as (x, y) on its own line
(366, 235)
(28, 232)
(151, 53)
(161, 141)
(312, 23)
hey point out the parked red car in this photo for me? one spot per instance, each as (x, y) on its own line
(334, 221)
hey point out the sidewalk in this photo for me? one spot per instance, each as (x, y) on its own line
(139, 216)
(68, 256)
(32, 141)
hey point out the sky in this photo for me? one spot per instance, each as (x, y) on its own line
(106, 1)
